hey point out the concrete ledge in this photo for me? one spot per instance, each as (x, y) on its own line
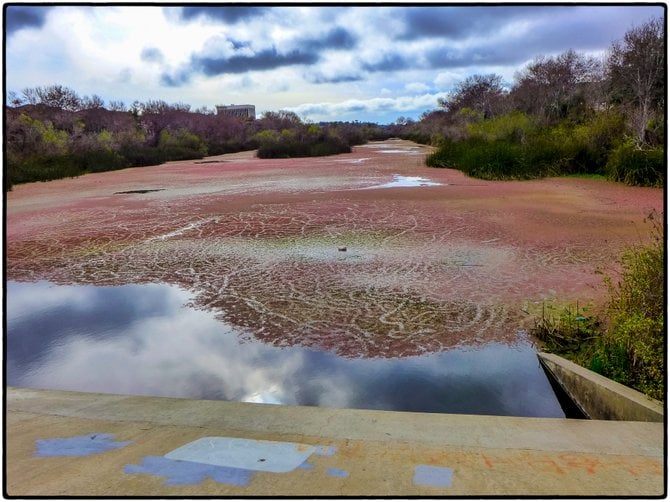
(357, 452)
(599, 397)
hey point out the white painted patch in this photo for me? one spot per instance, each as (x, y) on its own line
(241, 453)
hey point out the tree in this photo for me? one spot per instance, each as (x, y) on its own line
(481, 93)
(116, 106)
(58, 96)
(553, 88)
(636, 75)
(93, 102)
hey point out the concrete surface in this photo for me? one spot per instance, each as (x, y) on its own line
(599, 397)
(68, 443)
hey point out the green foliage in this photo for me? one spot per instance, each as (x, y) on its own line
(512, 146)
(636, 312)
(300, 141)
(180, 145)
(514, 127)
(631, 350)
(635, 166)
(566, 330)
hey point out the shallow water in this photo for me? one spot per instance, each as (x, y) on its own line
(146, 340)
(400, 181)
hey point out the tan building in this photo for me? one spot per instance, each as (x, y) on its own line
(244, 111)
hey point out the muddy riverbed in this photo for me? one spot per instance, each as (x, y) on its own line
(368, 255)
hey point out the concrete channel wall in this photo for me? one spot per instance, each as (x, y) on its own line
(98, 445)
(599, 397)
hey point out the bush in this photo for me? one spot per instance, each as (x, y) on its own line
(634, 166)
(180, 145)
(631, 350)
(636, 313)
(311, 142)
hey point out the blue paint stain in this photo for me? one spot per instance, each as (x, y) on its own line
(80, 446)
(306, 466)
(431, 475)
(325, 451)
(337, 473)
(180, 472)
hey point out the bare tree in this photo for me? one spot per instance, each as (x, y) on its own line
(550, 88)
(116, 106)
(482, 93)
(14, 99)
(636, 75)
(58, 96)
(93, 102)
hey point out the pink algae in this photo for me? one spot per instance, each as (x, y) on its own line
(261, 244)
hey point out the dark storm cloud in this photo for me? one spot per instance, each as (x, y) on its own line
(308, 52)
(19, 17)
(463, 22)
(151, 55)
(336, 39)
(227, 14)
(541, 31)
(267, 59)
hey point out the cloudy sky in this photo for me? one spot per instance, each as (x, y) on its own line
(327, 62)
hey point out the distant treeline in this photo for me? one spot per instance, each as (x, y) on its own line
(51, 132)
(568, 114)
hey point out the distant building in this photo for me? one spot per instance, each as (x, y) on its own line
(244, 111)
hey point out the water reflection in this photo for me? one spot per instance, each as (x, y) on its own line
(143, 340)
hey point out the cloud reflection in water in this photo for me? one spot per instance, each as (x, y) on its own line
(143, 340)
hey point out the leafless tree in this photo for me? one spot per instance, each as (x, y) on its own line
(550, 88)
(482, 93)
(636, 75)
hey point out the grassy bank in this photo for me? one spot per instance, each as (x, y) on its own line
(627, 342)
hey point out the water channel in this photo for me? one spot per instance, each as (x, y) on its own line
(145, 339)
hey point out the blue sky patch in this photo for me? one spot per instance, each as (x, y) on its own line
(80, 446)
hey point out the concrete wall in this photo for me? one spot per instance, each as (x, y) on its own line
(599, 397)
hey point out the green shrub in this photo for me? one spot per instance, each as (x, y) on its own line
(311, 142)
(631, 350)
(636, 312)
(634, 166)
(180, 145)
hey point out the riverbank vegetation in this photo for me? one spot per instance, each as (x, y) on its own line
(562, 115)
(569, 114)
(628, 343)
(51, 132)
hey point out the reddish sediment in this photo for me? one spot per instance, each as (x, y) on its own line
(258, 243)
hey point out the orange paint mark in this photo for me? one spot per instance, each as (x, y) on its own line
(547, 464)
(587, 463)
(487, 461)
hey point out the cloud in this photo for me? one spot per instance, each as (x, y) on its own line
(151, 55)
(20, 17)
(389, 62)
(462, 22)
(370, 106)
(267, 59)
(417, 87)
(338, 39)
(227, 14)
(321, 78)
(242, 59)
